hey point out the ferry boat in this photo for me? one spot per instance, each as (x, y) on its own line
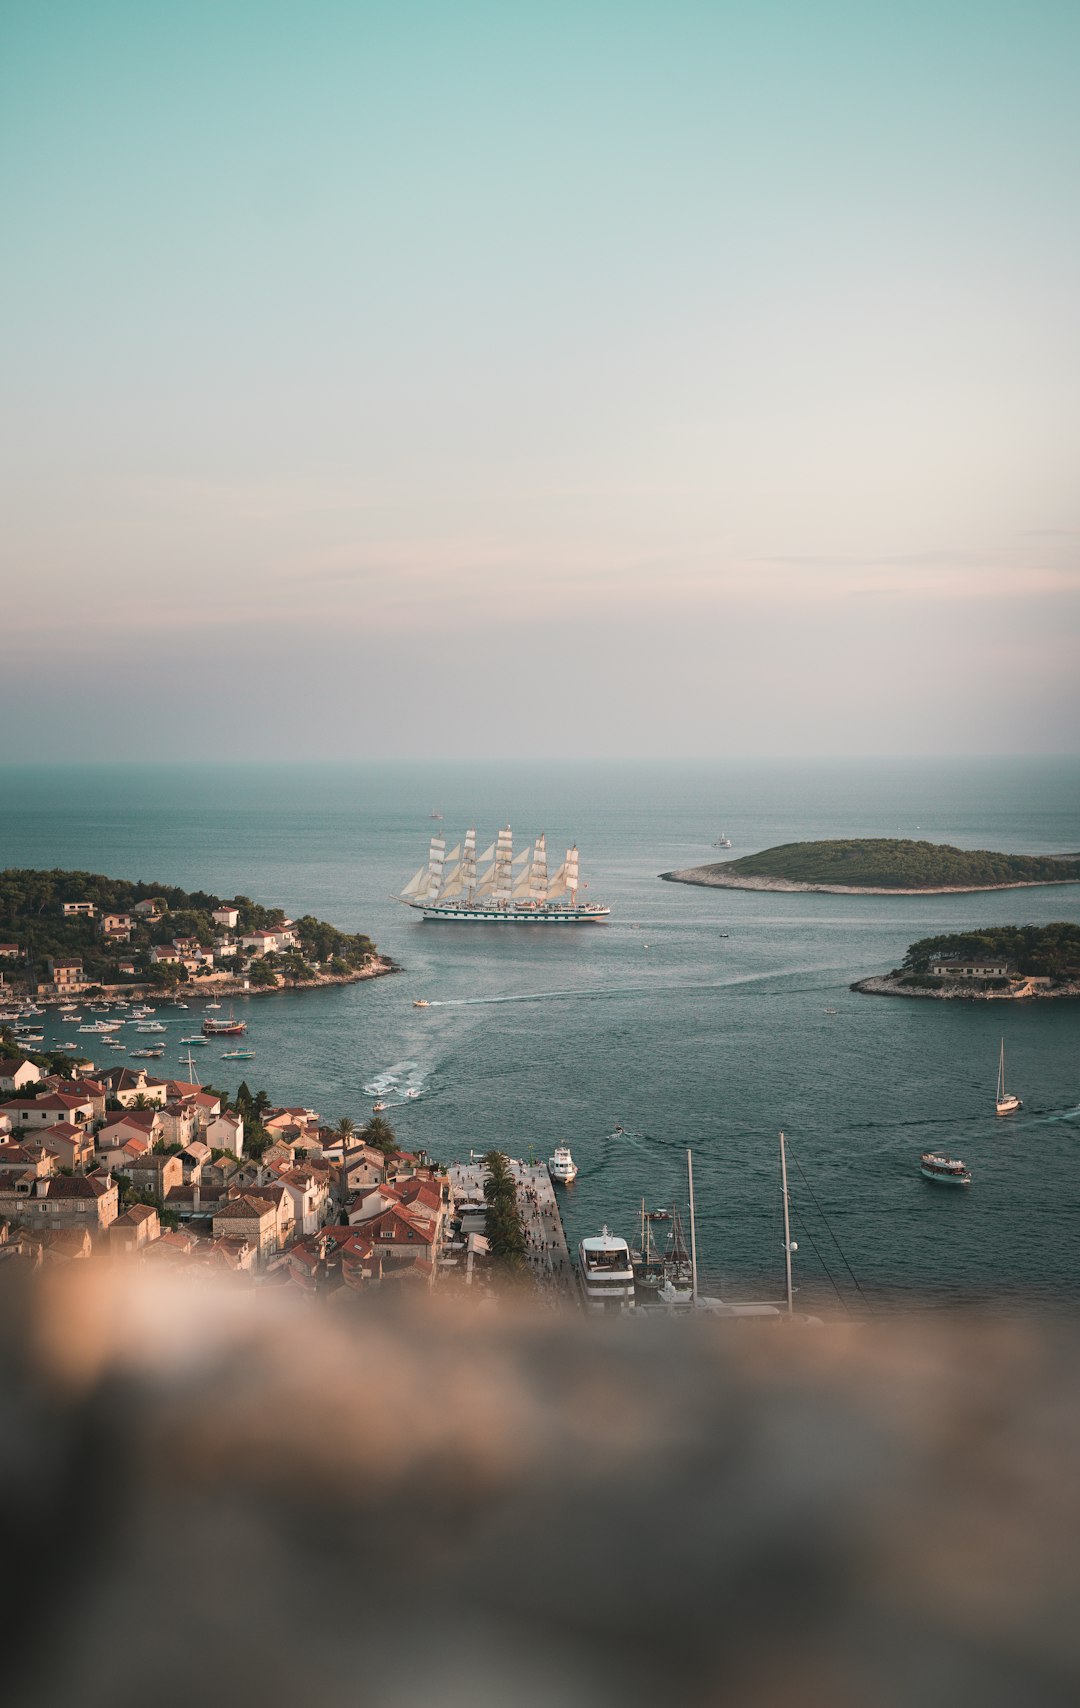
(1006, 1102)
(561, 1166)
(500, 887)
(946, 1170)
(230, 1028)
(606, 1273)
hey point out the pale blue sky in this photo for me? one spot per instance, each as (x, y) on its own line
(612, 378)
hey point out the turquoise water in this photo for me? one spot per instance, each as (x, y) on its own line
(658, 1021)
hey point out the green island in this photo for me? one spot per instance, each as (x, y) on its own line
(993, 961)
(881, 866)
(66, 931)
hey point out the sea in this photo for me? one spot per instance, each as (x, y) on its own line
(695, 1020)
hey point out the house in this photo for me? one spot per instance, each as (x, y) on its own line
(117, 927)
(134, 1229)
(73, 1147)
(234, 1253)
(10, 952)
(152, 909)
(310, 1195)
(33, 1114)
(253, 1219)
(364, 1166)
(333, 1256)
(17, 1072)
(64, 971)
(401, 1234)
(119, 1158)
(206, 1103)
(142, 1124)
(126, 1085)
(263, 942)
(156, 1172)
(227, 916)
(79, 1085)
(225, 1132)
(60, 1200)
(127, 967)
(970, 967)
(30, 1156)
(179, 1122)
(193, 1158)
(281, 1199)
(165, 954)
(222, 1173)
(65, 1244)
(194, 1199)
(78, 909)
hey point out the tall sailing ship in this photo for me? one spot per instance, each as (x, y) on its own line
(499, 887)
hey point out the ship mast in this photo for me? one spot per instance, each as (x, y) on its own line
(789, 1244)
(436, 859)
(468, 865)
(693, 1227)
(504, 862)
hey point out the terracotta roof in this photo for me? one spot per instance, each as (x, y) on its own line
(243, 1210)
(79, 1186)
(12, 1064)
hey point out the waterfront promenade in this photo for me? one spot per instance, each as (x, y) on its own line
(547, 1253)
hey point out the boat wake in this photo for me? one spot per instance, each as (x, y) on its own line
(403, 1083)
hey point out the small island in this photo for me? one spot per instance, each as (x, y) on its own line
(994, 962)
(881, 866)
(62, 933)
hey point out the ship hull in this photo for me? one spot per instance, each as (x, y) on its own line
(512, 916)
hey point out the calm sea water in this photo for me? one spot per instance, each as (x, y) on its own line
(695, 1018)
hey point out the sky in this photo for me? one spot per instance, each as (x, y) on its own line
(607, 379)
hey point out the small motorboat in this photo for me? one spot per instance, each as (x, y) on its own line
(412, 1092)
(421, 1002)
(658, 1215)
(377, 1108)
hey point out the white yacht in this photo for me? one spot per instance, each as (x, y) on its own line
(606, 1273)
(562, 1166)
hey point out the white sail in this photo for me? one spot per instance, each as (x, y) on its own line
(523, 884)
(556, 889)
(436, 859)
(538, 870)
(504, 866)
(572, 878)
(417, 884)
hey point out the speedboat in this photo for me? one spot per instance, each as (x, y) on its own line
(376, 1108)
(658, 1216)
(561, 1166)
(213, 1005)
(238, 1055)
(421, 1002)
(150, 1026)
(606, 1273)
(412, 1092)
(945, 1170)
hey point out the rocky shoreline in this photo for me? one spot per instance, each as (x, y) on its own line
(886, 985)
(712, 877)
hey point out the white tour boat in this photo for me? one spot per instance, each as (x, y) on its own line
(606, 1273)
(1006, 1102)
(562, 1166)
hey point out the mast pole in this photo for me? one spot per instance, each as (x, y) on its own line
(693, 1227)
(788, 1248)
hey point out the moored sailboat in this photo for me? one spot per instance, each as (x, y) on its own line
(1006, 1102)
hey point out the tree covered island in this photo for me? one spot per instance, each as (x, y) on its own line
(64, 931)
(881, 866)
(992, 961)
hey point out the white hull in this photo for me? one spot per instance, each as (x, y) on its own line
(550, 914)
(1008, 1105)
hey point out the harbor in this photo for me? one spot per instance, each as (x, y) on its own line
(547, 1253)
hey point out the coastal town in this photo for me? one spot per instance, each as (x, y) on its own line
(116, 1163)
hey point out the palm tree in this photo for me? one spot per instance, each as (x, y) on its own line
(379, 1134)
(345, 1128)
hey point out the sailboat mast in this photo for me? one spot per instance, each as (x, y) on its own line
(693, 1227)
(788, 1247)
